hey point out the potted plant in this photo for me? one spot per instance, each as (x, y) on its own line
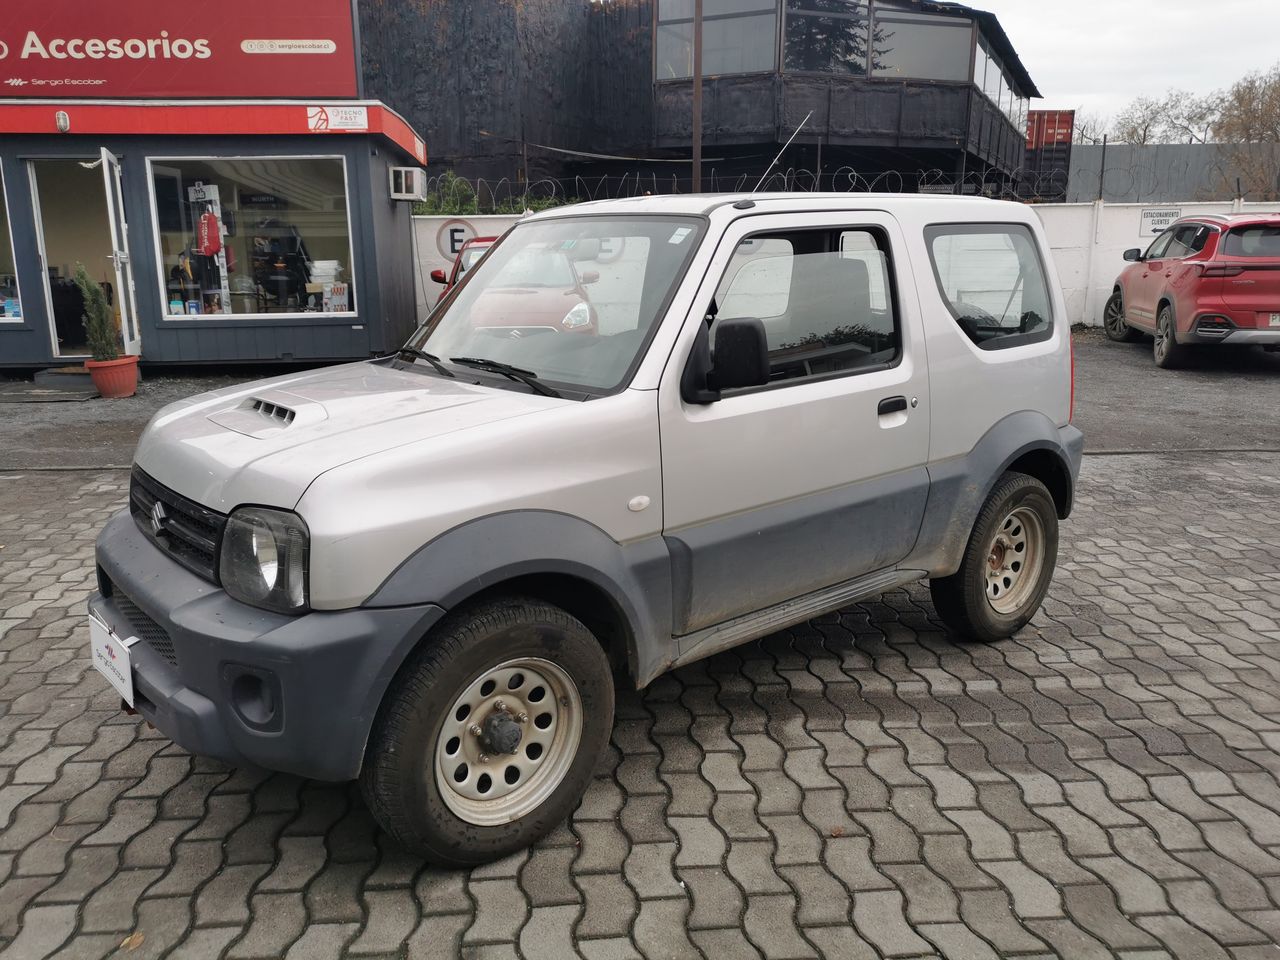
(113, 376)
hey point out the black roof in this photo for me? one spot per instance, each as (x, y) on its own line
(997, 39)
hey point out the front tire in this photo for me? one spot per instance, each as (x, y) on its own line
(490, 733)
(1166, 351)
(1007, 566)
(1113, 321)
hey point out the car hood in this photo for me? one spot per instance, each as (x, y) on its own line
(266, 442)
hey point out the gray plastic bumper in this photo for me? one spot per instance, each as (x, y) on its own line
(222, 679)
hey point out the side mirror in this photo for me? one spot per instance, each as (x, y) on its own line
(741, 355)
(589, 277)
(742, 360)
(1133, 255)
(439, 277)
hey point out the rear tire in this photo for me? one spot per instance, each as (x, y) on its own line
(490, 733)
(1166, 351)
(1113, 321)
(1007, 566)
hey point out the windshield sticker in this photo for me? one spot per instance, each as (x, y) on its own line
(680, 234)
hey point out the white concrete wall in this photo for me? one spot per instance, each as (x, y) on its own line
(1088, 241)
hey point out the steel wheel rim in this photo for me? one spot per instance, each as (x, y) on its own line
(1114, 318)
(477, 784)
(1014, 560)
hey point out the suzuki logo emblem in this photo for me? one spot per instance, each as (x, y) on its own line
(158, 517)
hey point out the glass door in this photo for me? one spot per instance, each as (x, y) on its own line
(79, 221)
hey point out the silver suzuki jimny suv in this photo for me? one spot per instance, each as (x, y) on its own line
(638, 433)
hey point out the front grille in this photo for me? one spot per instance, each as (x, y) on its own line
(144, 628)
(183, 529)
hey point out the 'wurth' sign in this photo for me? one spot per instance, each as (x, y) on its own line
(158, 49)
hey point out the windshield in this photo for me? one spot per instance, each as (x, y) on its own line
(571, 300)
(469, 257)
(539, 267)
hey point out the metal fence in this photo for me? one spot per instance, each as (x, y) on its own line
(448, 194)
(1168, 172)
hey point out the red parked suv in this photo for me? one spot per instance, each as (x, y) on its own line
(1207, 279)
(471, 252)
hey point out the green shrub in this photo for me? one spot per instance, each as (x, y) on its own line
(98, 318)
(452, 196)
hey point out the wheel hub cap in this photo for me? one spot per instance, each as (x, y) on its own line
(500, 734)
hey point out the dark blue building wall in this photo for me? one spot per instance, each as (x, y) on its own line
(381, 259)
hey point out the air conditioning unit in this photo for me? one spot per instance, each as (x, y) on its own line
(408, 183)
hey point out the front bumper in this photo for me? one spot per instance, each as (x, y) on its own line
(226, 680)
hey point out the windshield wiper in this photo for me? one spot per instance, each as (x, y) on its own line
(431, 358)
(527, 377)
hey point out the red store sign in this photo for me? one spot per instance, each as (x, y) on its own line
(161, 49)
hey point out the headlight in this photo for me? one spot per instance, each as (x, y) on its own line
(579, 316)
(264, 559)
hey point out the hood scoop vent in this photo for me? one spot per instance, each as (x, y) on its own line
(269, 414)
(274, 411)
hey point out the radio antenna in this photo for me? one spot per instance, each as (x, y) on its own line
(783, 150)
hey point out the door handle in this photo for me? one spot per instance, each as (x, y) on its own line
(891, 405)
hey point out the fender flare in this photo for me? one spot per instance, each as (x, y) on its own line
(479, 554)
(958, 487)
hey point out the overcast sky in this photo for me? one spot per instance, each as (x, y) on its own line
(1100, 54)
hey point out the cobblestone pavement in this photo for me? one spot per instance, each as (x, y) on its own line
(1106, 784)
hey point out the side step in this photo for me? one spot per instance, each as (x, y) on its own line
(721, 636)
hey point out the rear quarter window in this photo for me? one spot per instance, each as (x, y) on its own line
(992, 280)
(1257, 241)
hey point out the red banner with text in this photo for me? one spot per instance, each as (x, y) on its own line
(159, 49)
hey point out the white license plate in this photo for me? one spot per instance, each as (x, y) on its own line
(110, 656)
(1275, 319)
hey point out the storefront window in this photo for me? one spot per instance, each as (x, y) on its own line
(253, 236)
(827, 36)
(921, 47)
(738, 36)
(10, 304)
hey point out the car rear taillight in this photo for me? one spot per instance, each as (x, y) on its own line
(1220, 270)
(1071, 406)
